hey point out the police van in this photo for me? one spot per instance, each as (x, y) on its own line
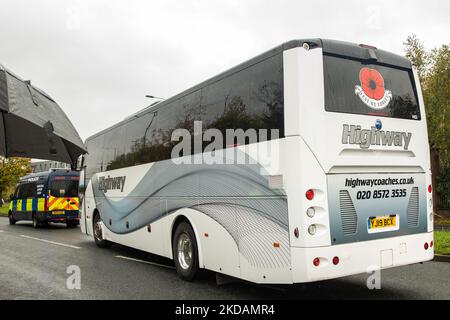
(45, 197)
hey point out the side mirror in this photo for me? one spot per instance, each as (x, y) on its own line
(82, 181)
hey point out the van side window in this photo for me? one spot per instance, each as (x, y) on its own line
(22, 192)
(31, 190)
(16, 193)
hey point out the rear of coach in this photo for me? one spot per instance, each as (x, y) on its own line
(360, 197)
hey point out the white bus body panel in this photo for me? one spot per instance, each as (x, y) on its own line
(359, 257)
(218, 250)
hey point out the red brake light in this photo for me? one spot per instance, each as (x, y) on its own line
(425, 246)
(316, 262)
(430, 189)
(431, 244)
(310, 194)
(336, 261)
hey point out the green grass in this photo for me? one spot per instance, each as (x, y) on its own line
(442, 242)
(4, 210)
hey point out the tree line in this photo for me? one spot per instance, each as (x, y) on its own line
(434, 72)
(11, 170)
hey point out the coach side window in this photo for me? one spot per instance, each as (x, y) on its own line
(250, 98)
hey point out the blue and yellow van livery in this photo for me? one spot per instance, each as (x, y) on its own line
(45, 197)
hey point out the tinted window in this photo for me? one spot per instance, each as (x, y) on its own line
(27, 190)
(32, 190)
(249, 98)
(94, 158)
(64, 188)
(369, 89)
(17, 192)
(21, 191)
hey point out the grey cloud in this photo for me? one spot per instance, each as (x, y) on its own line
(99, 58)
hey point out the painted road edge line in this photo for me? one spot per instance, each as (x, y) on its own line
(50, 242)
(147, 262)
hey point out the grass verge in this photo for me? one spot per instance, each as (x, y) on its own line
(442, 242)
(4, 210)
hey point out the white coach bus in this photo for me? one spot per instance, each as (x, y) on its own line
(344, 187)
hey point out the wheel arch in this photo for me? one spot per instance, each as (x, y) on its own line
(95, 212)
(185, 218)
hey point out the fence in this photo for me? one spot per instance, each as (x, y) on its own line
(443, 197)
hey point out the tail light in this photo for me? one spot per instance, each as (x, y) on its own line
(430, 189)
(311, 212)
(296, 233)
(425, 246)
(431, 244)
(312, 229)
(310, 194)
(316, 262)
(336, 261)
(46, 204)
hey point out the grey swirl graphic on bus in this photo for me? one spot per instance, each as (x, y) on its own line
(237, 196)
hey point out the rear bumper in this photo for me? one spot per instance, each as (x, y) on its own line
(49, 216)
(359, 257)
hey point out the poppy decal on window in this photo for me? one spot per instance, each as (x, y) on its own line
(372, 91)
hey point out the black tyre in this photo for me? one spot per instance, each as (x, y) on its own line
(185, 252)
(12, 221)
(36, 222)
(98, 234)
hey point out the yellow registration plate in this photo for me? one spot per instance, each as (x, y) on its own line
(382, 222)
(58, 213)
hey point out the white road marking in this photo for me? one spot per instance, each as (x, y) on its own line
(147, 262)
(51, 242)
(2, 231)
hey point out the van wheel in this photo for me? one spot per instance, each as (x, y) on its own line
(12, 221)
(185, 253)
(98, 234)
(36, 223)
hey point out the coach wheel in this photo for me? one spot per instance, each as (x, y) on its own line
(98, 233)
(185, 252)
(12, 221)
(36, 223)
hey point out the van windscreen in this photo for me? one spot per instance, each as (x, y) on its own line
(64, 187)
(352, 86)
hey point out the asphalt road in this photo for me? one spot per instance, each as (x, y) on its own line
(33, 265)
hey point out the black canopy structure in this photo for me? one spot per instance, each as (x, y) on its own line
(32, 124)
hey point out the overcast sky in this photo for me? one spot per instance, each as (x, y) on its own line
(99, 58)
